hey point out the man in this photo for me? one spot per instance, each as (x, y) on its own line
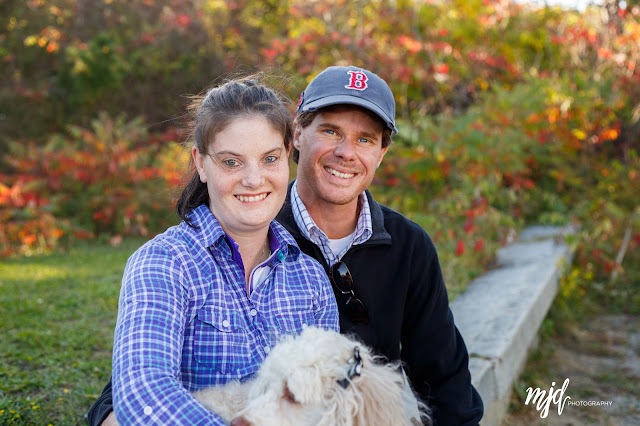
(384, 268)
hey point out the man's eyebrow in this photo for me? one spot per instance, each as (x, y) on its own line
(371, 135)
(330, 126)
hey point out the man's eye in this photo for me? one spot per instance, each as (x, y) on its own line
(330, 132)
(270, 159)
(364, 140)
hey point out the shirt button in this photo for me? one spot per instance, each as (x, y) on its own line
(267, 349)
(253, 312)
(148, 410)
(304, 325)
(225, 323)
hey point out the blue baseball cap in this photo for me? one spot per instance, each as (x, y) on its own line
(353, 86)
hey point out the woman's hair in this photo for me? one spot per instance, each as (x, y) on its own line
(220, 106)
(304, 119)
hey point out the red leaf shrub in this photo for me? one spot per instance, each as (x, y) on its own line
(111, 179)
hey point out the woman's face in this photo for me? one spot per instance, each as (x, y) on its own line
(246, 170)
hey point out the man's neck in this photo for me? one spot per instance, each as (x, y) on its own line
(336, 221)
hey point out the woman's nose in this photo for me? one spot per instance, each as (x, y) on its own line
(254, 177)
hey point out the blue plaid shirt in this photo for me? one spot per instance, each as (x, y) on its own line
(311, 232)
(185, 321)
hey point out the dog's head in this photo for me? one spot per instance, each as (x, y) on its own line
(325, 378)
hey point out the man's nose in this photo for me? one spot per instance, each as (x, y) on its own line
(344, 149)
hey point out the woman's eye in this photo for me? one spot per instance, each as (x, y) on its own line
(270, 159)
(230, 162)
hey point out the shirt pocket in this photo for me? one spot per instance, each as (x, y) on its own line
(294, 322)
(220, 340)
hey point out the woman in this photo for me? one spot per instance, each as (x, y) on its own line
(203, 303)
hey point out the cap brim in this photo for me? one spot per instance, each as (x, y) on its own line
(351, 100)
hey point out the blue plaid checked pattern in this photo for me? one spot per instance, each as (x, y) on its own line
(311, 232)
(185, 321)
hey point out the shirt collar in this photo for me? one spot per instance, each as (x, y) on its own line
(364, 228)
(300, 214)
(211, 234)
(310, 230)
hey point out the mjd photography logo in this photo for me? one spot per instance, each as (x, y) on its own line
(543, 399)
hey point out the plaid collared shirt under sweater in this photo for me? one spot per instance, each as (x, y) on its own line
(185, 321)
(311, 232)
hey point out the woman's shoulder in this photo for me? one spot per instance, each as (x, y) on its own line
(311, 263)
(176, 248)
(172, 263)
(169, 242)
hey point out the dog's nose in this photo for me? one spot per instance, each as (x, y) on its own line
(240, 421)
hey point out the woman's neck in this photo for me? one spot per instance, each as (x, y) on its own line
(254, 249)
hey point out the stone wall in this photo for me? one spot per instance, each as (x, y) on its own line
(500, 312)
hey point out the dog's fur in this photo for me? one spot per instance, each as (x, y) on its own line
(299, 384)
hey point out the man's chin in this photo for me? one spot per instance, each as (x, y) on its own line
(339, 196)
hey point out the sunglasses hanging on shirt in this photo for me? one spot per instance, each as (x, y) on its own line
(342, 280)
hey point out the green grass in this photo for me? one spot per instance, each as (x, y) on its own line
(57, 313)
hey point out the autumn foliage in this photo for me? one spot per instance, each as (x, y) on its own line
(112, 179)
(508, 113)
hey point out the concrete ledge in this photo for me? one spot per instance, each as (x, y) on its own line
(500, 312)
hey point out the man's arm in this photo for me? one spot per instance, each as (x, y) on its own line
(432, 347)
(102, 408)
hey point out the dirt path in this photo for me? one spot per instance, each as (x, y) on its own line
(602, 362)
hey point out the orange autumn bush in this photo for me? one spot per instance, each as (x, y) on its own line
(510, 114)
(112, 179)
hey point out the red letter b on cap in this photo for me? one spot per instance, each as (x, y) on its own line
(357, 80)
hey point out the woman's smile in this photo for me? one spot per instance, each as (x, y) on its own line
(246, 198)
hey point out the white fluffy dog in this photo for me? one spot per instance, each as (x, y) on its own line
(319, 378)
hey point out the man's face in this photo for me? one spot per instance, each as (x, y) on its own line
(339, 153)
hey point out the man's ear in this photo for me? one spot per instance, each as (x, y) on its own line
(382, 153)
(297, 131)
(198, 160)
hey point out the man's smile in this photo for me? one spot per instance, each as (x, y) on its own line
(339, 174)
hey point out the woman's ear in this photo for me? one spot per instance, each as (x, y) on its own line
(198, 160)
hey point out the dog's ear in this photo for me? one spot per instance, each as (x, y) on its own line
(385, 397)
(354, 368)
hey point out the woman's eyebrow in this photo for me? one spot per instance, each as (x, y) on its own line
(235, 154)
(271, 151)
